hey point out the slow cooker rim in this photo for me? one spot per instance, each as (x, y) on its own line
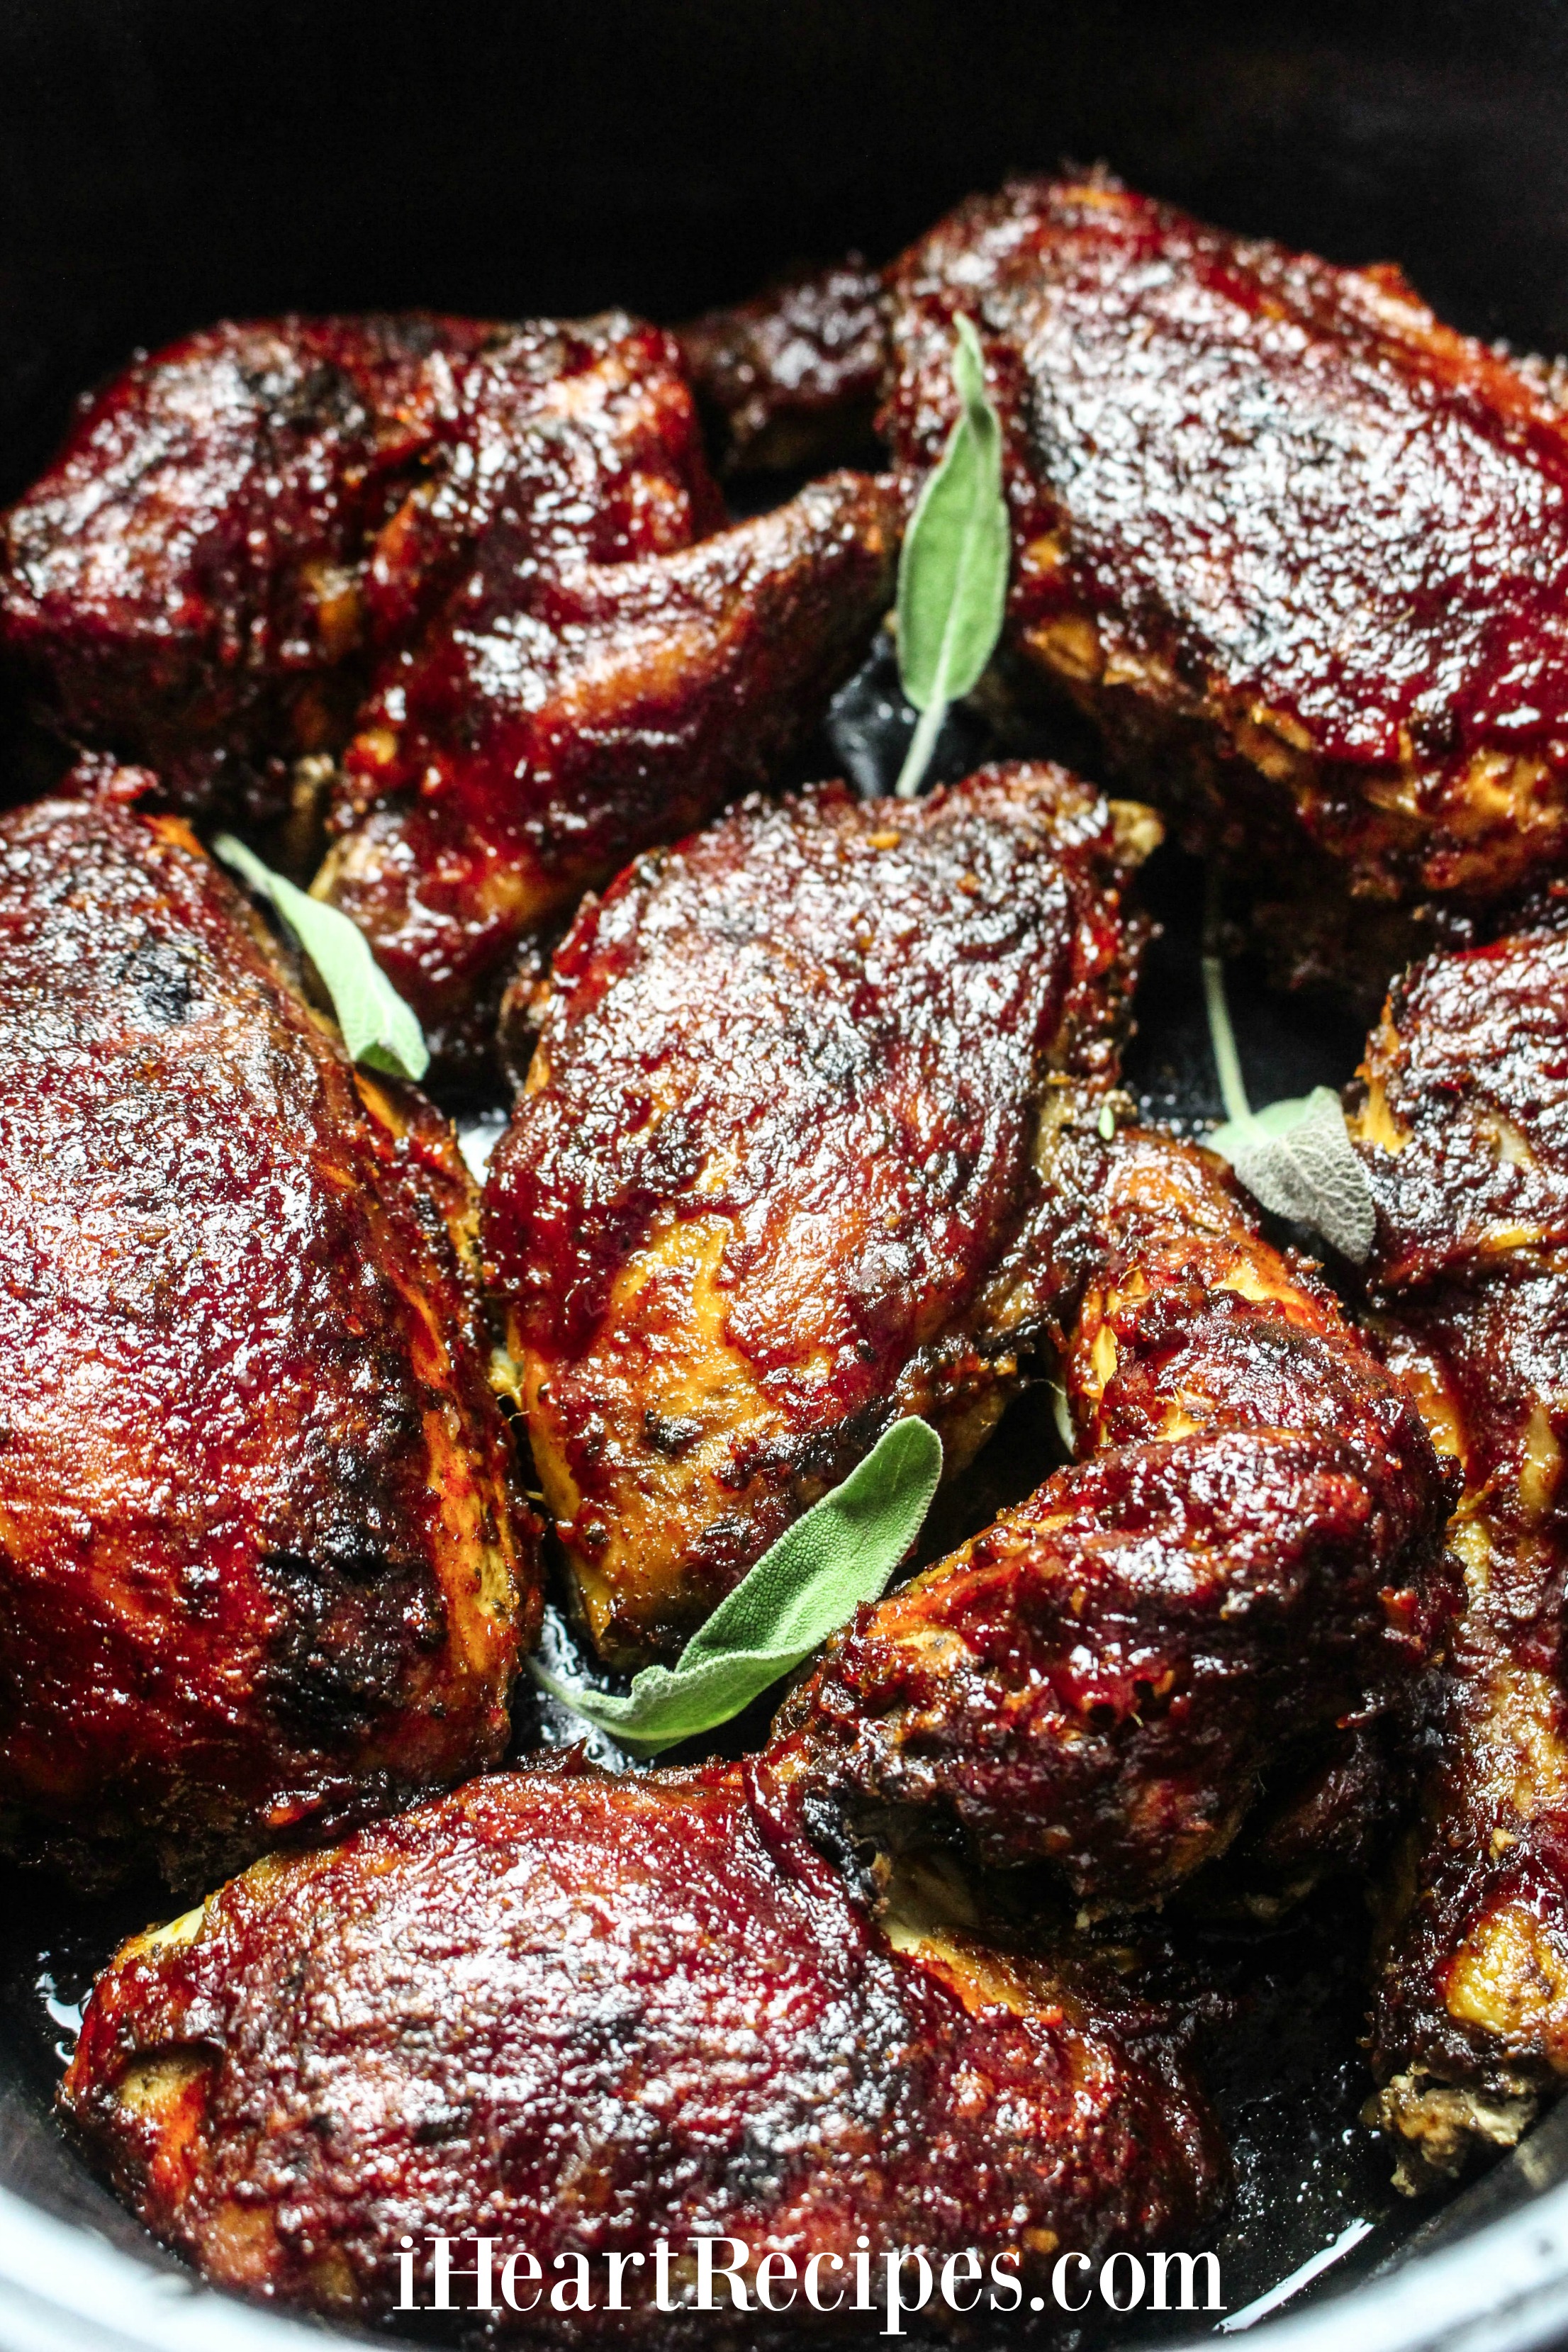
(1506, 2285)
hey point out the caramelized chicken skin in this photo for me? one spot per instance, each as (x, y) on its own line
(1463, 1129)
(234, 523)
(488, 560)
(262, 1571)
(582, 2014)
(794, 375)
(562, 712)
(1244, 1559)
(1300, 549)
(772, 1182)
(1270, 512)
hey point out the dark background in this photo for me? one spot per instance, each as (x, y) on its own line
(165, 161)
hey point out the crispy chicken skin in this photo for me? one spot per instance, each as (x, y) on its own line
(1272, 512)
(793, 376)
(562, 713)
(1463, 1125)
(262, 1571)
(772, 1180)
(196, 580)
(1244, 1559)
(580, 2014)
(464, 586)
(1298, 548)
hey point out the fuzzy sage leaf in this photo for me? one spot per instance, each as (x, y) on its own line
(952, 566)
(1297, 1158)
(804, 1588)
(379, 1029)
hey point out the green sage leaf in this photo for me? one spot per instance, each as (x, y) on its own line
(379, 1029)
(953, 564)
(1297, 1158)
(839, 1554)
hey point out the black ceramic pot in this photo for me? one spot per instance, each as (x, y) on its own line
(164, 162)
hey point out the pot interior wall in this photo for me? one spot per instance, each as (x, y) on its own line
(164, 163)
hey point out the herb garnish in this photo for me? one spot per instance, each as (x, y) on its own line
(379, 1029)
(952, 566)
(1296, 1157)
(839, 1554)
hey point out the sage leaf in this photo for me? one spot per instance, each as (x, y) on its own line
(379, 1029)
(1297, 1158)
(839, 1554)
(953, 564)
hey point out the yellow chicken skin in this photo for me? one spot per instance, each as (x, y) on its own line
(773, 1180)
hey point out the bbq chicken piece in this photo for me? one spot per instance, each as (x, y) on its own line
(1270, 516)
(1244, 1560)
(1463, 1129)
(1298, 548)
(584, 2014)
(793, 376)
(558, 716)
(262, 1571)
(771, 1184)
(238, 527)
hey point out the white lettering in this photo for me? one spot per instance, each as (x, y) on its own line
(617, 2263)
(1007, 2280)
(531, 2271)
(562, 2297)
(952, 2277)
(1135, 2282)
(732, 2273)
(895, 2304)
(1059, 2285)
(785, 2268)
(813, 2292)
(1187, 2265)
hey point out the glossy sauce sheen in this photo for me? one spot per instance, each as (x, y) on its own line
(1246, 1560)
(261, 1567)
(186, 579)
(1274, 496)
(583, 2014)
(1463, 1119)
(772, 1180)
(481, 568)
(569, 706)
(795, 373)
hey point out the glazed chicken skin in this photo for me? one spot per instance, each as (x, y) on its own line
(462, 588)
(580, 2014)
(794, 375)
(262, 1569)
(1462, 1122)
(233, 523)
(1246, 1560)
(772, 1183)
(584, 2013)
(1299, 548)
(559, 715)
(1243, 1561)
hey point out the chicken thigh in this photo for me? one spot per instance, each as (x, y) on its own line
(1245, 1562)
(559, 715)
(1462, 1122)
(772, 1180)
(583, 2015)
(460, 590)
(1299, 548)
(262, 1568)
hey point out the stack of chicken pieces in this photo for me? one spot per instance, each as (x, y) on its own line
(817, 1126)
